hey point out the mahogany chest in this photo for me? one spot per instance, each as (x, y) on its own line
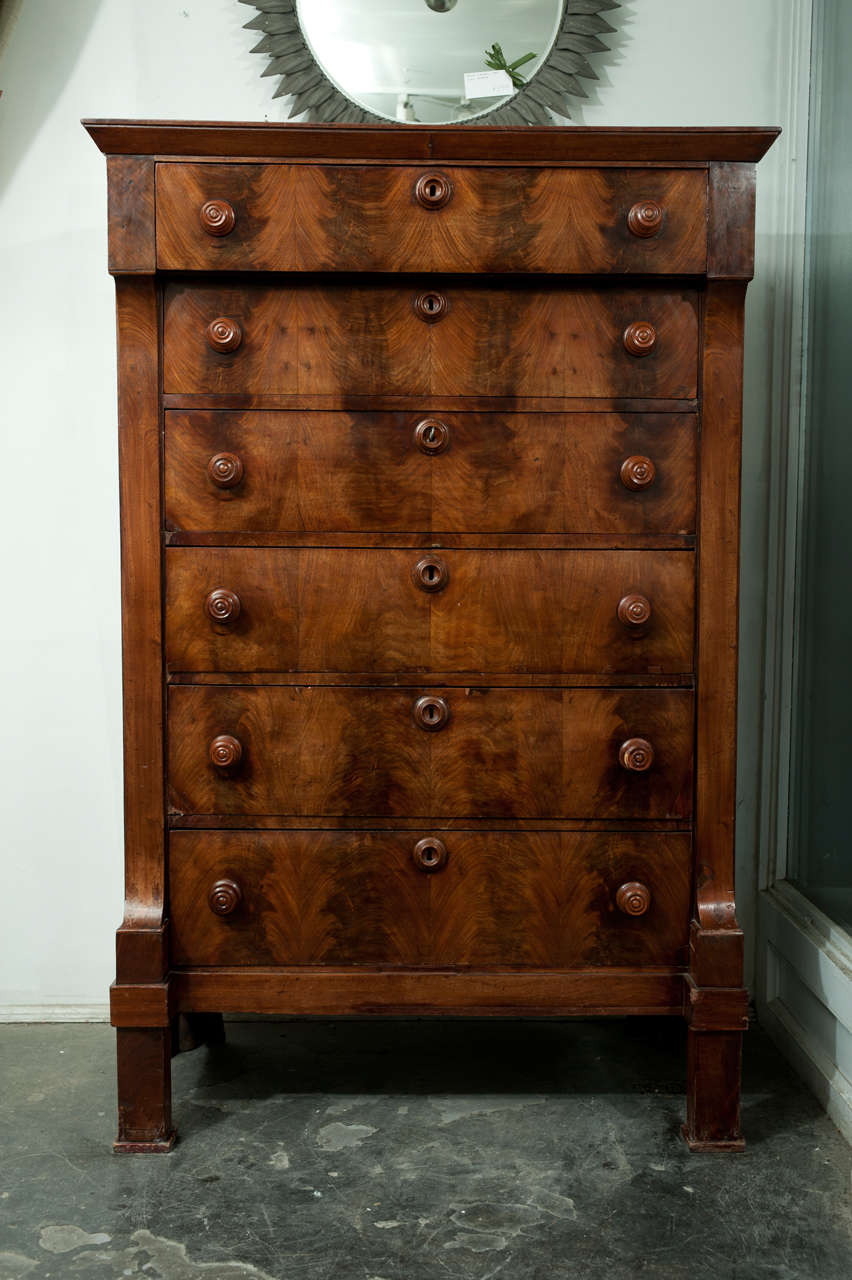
(429, 446)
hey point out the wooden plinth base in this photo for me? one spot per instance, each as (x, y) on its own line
(699, 1145)
(160, 1147)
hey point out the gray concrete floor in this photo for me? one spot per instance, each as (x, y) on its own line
(415, 1151)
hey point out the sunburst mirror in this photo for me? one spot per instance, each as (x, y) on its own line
(431, 61)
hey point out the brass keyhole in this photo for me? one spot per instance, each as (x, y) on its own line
(432, 189)
(431, 303)
(430, 856)
(431, 713)
(431, 573)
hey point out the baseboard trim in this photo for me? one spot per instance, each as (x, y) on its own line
(54, 1012)
(833, 1091)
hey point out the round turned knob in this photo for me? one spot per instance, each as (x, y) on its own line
(225, 897)
(640, 338)
(634, 610)
(431, 306)
(224, 334)
(633, 898)
(217, 217)
(430, 854)
(645, 218)
(636, 755)
(430, 574)
(226, 752)
(432, 435)
(637, 472)
(433, 190)
(431, 713)
(226, 470)
(222, 605)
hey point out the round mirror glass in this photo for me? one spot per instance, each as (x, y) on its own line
(430, 61)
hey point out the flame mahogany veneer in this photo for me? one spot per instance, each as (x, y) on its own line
(429, 448)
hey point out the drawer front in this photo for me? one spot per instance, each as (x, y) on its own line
(321, 609)
(456, 472)
(454, 753)
(427, 337)
(380, 218)
(541, 899)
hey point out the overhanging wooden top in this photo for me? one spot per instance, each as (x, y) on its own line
(533, 145)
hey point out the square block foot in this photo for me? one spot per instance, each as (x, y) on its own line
(141, 1148)
(730, 1146)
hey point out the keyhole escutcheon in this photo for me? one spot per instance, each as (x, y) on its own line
(431, 306)
(431, 712)
(433, 190)
(431, 574)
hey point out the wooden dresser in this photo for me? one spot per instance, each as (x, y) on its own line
(429, 448)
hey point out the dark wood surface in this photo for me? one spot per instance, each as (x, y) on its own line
(572, 144)
(504, 752)
(544, 900)
(343, 610)
(369, 992)
(338, 337)
(436, 599)
(498, 472)
(141, 611)
(342, 218)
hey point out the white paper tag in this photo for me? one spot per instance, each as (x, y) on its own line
(488, 84)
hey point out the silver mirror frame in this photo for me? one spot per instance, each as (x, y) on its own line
(315, 96)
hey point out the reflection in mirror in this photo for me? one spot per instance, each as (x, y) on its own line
(430, 61)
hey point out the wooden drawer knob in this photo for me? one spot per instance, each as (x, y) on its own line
(431, 306)
(633, 898)
(222, 605)
(224, 334)
(637, 472)
(226, 752)
(217, 217)
(636, 755)
(645, 218)
(430, 574)
(433, 190)
(431, 435)
(431, 713)
(634, 610)
(225, 897)
(430, 854)
(640, 338)
(226, 470)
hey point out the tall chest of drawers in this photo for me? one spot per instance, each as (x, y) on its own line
(429, 445)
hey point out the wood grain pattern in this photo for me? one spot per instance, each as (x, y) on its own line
(500, 611)
(367, 992)
(570, 144)
(139, 463)
(523, 574)
(718, 612)
(539, 900)
(341, 338)
(498, 472)
(130, 194)
(730, 225)
(342, 218)
(547, 753)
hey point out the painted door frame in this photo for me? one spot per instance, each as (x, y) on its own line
(803, 963)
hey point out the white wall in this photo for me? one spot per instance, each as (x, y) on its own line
(683, 63)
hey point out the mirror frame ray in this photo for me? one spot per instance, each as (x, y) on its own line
(320, 100)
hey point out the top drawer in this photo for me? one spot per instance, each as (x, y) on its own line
(279, 217)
